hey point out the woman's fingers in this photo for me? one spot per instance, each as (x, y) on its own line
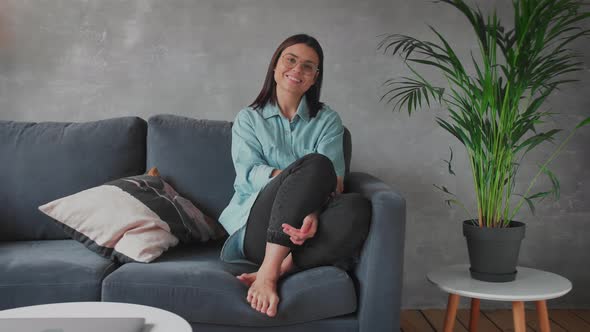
(306, 225)
(297, 241)
(313, 223)
(290, 230)
(307, 230)
(310, 226)
(295, 236)
(314, 228)
(294, 232)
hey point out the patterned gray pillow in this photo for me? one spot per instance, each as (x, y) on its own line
(133, 219)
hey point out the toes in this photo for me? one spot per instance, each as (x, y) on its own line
(264, 307)
(272, 307)
(254, 302)
(249, 297)
(271, 312)
(260, 304)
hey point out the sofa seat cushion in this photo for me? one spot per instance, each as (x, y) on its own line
(39, 272)
(195, 284)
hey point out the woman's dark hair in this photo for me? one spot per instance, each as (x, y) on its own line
(268, 92)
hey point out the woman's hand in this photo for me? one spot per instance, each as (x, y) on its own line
(307, 230)
(339, 186)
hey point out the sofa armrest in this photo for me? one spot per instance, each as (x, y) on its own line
(379, 272)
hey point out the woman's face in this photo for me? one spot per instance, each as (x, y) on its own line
(296, 71)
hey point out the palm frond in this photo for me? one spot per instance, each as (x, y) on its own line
(494, 111)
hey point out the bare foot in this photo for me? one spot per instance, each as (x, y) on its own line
(248, 278)
(263, 296)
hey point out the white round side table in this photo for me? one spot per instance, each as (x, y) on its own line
(159, 320)
(529, 285)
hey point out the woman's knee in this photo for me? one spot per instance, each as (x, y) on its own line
(320, 165)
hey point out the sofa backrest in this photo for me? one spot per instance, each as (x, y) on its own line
(194, 156)
(40, 162)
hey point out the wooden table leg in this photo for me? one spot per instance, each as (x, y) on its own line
(543, 316)
(451, 312)
(518, 316)
(474, 319)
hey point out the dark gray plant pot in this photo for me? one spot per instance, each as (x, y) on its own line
(493, 252)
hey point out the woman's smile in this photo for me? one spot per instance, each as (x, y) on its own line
(293, 79)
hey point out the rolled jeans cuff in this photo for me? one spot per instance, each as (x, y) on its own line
(280, 238)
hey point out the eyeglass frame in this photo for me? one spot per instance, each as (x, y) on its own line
(290, 66)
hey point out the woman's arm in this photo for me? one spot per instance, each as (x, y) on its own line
(252, 171)
(331, 145)
(339, 184)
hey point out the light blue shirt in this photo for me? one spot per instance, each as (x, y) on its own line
(263, 140)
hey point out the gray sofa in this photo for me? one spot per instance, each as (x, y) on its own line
(39, 264)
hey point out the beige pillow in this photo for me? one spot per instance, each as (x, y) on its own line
(133, 219)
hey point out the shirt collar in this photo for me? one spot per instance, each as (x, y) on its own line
(271, 110)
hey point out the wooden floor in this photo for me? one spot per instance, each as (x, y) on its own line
(494, 320)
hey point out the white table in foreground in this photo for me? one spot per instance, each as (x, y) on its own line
(529, 285)
(159, 320)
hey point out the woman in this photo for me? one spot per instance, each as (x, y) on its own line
(287, 212)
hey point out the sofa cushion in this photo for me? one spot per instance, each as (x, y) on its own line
(135, 218)
(195, 284)
(39, 272)
(41, 162)
(195, 157)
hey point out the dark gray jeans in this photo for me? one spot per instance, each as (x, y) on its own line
(302, 188)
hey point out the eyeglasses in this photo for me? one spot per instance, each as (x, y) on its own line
(291, 61)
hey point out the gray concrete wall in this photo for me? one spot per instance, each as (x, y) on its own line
(75, 60)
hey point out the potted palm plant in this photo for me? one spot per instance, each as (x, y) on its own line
(494, 111)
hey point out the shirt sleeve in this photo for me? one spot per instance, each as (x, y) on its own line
(252, 170)
(331, 142)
